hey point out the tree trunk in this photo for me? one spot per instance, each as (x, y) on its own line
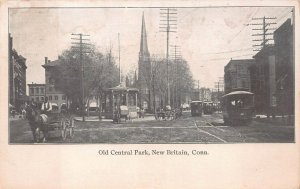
(100, 106)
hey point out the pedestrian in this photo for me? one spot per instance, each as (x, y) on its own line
(23, 113)
(46, 106)
(142, 112)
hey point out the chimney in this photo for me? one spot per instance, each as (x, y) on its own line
(46, 60)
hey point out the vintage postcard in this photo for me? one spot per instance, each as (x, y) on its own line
(150, 94)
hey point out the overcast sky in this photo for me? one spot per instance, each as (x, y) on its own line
(208, 37)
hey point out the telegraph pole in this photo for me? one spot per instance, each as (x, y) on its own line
(264, 31)
(176, 56)
(168, 24)
(119, 58)
(82, 49)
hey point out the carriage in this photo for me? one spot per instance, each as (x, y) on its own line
(56, 120)
(168, 113)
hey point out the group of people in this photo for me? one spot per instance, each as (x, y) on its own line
(45, 108)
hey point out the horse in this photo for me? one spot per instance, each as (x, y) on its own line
(37, 122)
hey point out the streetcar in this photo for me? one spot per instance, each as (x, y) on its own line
(238, 107)
(208, 107)
(196, 108)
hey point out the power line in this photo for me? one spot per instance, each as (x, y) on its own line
(168, 22)
(284, 15)
(81, 46)
(229, 58)
(223, 52)
(245, 25)
(264, 30)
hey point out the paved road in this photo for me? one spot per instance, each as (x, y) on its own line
(187, 129)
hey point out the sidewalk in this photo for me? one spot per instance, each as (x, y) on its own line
(278, 120)
(96, 119)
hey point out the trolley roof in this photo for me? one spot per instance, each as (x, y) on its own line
(238, 93)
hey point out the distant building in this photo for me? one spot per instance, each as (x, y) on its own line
(203, 94)
(144, 70)
(54, 95)
(36, 92)
(285, 68)
(236, 75)
(17, 77)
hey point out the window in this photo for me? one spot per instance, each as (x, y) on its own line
(63, 97)
(37, 90)
(31, 90)
(42, 90)
(55, 97)
(244, 84)
(42, 98)
(37, 99)
(32, 99)
(50, 88)
(50, 97)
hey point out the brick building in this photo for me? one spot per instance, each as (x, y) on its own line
(54, 95)
(272, 75)
(17, 77)
(36, 92)
(236, 75)
(263, 79)
(285, 67)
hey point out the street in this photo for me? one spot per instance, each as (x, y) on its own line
(186, 129)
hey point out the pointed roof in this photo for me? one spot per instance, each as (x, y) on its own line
(144, 44)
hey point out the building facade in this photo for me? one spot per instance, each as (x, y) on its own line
(54, 95)
(285, 68)
(203, 94)
(263, 79)
(17, 78)
(36, 92)
(237, 75)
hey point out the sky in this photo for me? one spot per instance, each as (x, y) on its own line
(208, 37)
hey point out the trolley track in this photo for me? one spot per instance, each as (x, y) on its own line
(208, 133)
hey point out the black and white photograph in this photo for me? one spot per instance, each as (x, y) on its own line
(151, 75)
(149, 94)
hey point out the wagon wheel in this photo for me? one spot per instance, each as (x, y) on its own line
(71, 129)
(37, 134)
(63, 130)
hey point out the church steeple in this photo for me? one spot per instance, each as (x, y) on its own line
(144, 68)
(144, 44)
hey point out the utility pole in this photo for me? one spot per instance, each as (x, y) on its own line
(264, 31)
(176, 57)
(218, 85)
(82, 47)
(168, 24)
(119, 59)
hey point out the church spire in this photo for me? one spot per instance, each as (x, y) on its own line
(144, 44)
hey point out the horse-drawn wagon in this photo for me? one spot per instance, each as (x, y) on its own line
(55, 120)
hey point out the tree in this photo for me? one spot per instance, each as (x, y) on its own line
(180, 78)
(100, 72)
